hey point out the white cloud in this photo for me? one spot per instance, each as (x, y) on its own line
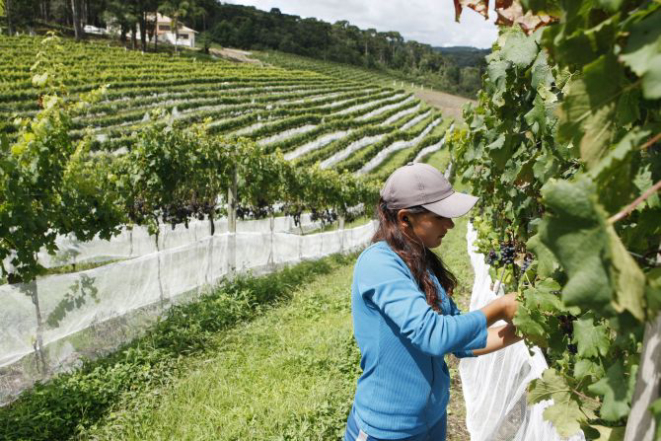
(426, 21)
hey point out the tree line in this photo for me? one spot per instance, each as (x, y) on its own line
(249, 28)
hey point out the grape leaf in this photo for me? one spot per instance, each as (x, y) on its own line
(611, 5)
(587, 113)
(609, 433)
(617, 391)
(591, 340)
(564, 413)
(518, 48)
(655, 408)
(576, 234)
(541, 297)
(643, 53)
(653, 290)
(536, 117)
(630, 280)
(585, 367)
(547, 264)
(529, 322)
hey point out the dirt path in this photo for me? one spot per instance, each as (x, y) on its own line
(235, 55)
(450, 105)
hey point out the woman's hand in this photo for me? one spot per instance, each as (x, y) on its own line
(509, 306)
(503, 308)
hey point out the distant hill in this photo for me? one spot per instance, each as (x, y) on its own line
(465, 56)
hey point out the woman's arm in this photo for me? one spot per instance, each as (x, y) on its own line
(498, 338)
(503, 308)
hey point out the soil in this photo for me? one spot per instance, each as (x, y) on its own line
(456, 407)
(450, 105)
(236, 55)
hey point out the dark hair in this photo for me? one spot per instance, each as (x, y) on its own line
(420, 260)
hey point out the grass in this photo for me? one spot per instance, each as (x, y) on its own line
(288, 375)
(439, 159)
(75, 404)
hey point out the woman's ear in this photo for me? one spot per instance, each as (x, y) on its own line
(404, 218)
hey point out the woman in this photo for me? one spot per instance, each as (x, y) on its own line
(404, 319)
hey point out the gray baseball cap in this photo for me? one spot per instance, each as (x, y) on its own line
(421, 184)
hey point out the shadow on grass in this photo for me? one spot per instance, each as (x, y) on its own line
(69, 403)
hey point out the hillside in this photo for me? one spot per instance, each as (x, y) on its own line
(308, 109)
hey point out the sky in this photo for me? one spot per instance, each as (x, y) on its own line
(425, 21)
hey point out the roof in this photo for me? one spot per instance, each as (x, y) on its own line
(164, 19)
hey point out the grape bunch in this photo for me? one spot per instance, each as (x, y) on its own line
(527, 261)
(567, 328)
(507, 253)
(252, 212)
(297, 218)
(325, 216)
(492, 257)
(567, 324)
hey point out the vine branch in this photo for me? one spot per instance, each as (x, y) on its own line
(629, 208)
(651, 141)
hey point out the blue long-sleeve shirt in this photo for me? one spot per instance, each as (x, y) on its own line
(405, 385)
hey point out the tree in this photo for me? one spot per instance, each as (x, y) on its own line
(77, 15)
(205, 40)
(177, 10)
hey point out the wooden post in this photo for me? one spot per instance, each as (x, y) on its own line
(341, 219)
(232, 197)
(640, 426)
(271, 260)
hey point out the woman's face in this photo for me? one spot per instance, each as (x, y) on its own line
(429, 227)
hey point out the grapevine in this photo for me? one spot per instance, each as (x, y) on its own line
(561, 147)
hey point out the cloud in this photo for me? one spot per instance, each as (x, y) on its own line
(426, 21)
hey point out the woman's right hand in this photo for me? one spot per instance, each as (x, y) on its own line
(503, 308)
(509, 306)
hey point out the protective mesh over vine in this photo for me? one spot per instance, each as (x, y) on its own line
(494, 385)
(48, 325)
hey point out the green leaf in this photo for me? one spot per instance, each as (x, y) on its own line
(529, 324)
(542, 297)
(542, 75)
(610, 5)
(609, 433)
(565, 417)
(547, 264)
(613, 173)
(653, 290)
(591, 340)
(585, 367)
(643, 53)
(655, 408)
(518, 48)
(576, 235)
(564, 413)
(536, 117)
(617, 391)
(588, 112)
(630, 280)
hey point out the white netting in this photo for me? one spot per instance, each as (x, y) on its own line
(136, 241)
(49, 325)
(394, 147)
(495, 385)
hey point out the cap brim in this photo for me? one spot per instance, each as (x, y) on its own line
(455, 205)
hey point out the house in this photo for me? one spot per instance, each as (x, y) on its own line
(165, 32)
